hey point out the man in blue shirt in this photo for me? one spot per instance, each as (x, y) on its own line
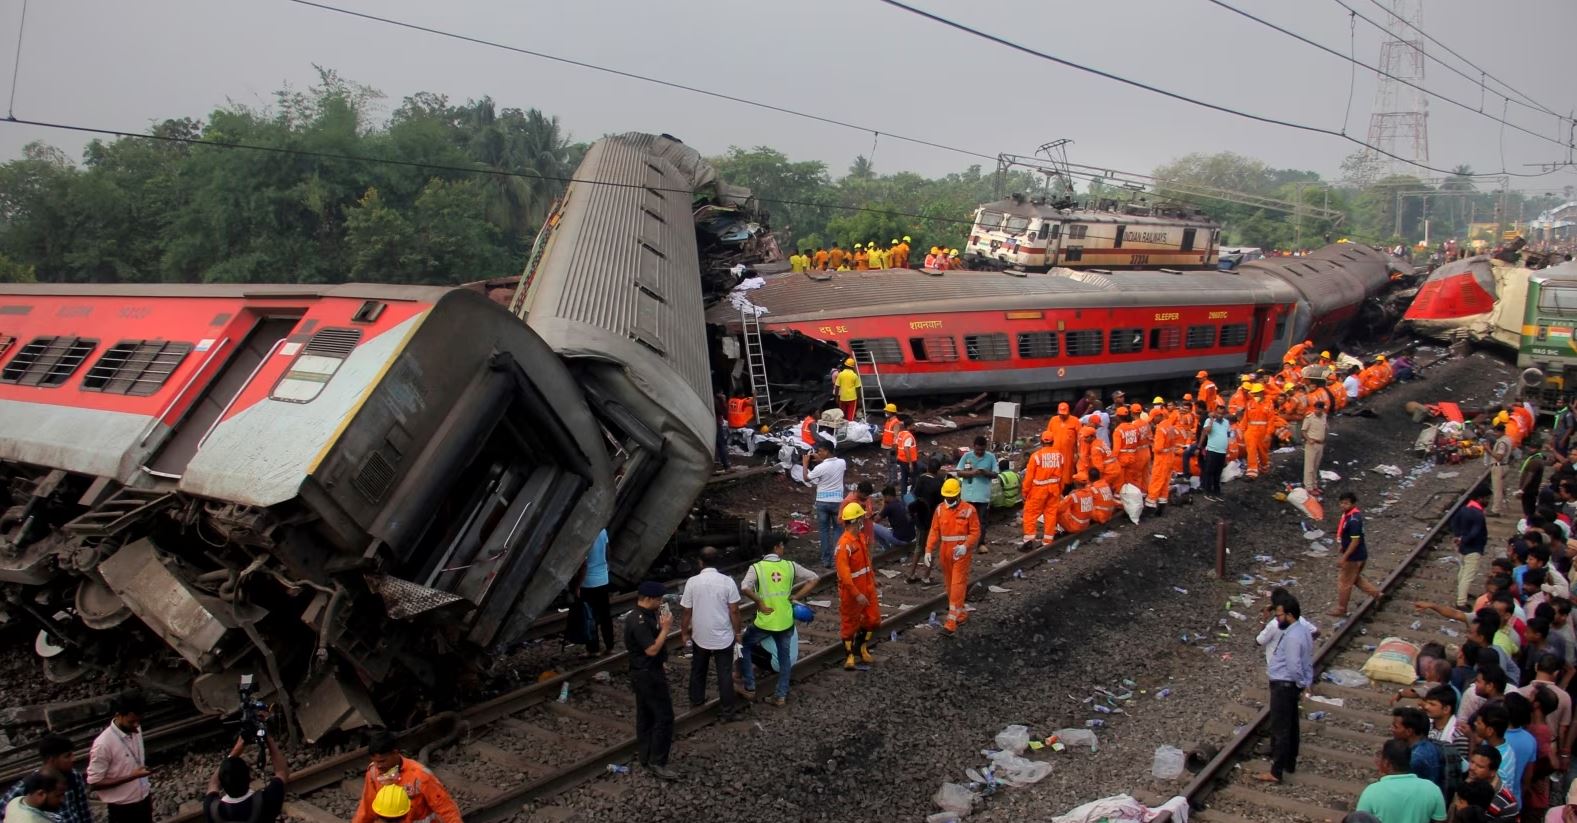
(1490, 726)
(1291, 670)
(1519, 712)
(591, 589)
(1411, 726)
(976, 469)
(1215, 435)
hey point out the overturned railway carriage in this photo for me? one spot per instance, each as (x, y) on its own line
(970, 331)
(327, 487)
(615, 289)
(1476, 298)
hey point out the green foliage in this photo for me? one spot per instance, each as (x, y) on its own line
(14, 272)
(140, 210)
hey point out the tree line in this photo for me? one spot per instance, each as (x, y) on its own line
(458, 192)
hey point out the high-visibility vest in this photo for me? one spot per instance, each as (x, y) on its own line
(774, 583)
(889, 430)
(807, 431)
(1005, 490)
(904, 443)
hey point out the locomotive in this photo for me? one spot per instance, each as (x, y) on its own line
(1034, 235)
(357, 492)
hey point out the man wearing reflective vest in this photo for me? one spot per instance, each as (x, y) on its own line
(955, 532)
(773, 583)
(858, 613)
(1042, 483)
(1105, 499)
(907, 453)
(430, 801)
(807, 434)
(889, 438)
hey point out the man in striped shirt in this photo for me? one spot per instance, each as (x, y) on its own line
(1440, 706)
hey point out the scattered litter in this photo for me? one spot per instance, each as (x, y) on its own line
(1071, 547)
(1078, 737)
(1347, 677)
(1388, 471)
(1304, 502)
(1163, 694)
(1159, 536)
(1168, 763)
(997, 590)
(888, 573)
(1284, 450)
(1014, 770)
(1395, 661)
(1450, 632)
(798, 528)
(603, 677)
(1238, 615)
(820, 604)
(1264, 558)
(1319, 715)
(1313, 534)
(1329, 701)
(1447, 475)
(1317, 551)
(1013, 739)
(1094, 723)
(955, 799)
(1247, 580)
(1179, 590)
(1329, 476)
(1104, 536)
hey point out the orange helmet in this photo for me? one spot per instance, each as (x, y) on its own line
(1188, 398)
(1047, 437)
(1136, 409)
(1086, 431)
(1202, 375)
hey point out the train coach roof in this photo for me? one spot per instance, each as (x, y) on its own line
(257, 291)
(1027, 208)
(797, 297)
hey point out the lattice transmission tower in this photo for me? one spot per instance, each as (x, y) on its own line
(1399, 123)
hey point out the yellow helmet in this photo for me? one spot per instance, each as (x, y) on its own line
(1245, 378)
(953, 252)
(391, 801)
(1157, 402)
(951, 487)
(936, 249)
(1325, 355)
(871, 245)
(849, 362)
(906, 238)
(895, 241)
(890, 408)
(853, 511)
(1256, 388)
(857, 245)
(1379, 358)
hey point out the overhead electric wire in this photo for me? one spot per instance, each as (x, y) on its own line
(493, 44)
(1260, 118)
(1478, 81)
(1453, 52)
(1383, 73)
(418, 164)
(16, 64)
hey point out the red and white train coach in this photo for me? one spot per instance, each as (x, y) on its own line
(970, 331)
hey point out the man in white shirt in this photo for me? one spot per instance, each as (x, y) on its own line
(827, 479)
(117, 764)
(1351, 384)
(711, 621)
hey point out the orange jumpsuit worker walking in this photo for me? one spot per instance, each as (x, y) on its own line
(955, 530)
(1064, 429)
(1146, 423)
(858, 613)
(1042, 484)
(1257, 418)
(1164, 455)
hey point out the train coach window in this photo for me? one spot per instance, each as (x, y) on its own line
(1037, 345)
(1126, 341)
(880, 349)
(47, 361)
(1165, 338)
(1201, 337)
(1234, 334)
(1281, 326)
(986, 346)
(135, 367)
(990, 219)
(1016, 224)
(5, 344)
(316, 365)
(935, 349)
(1085, 343)
(1073, 253)
(1078, 231)
(1560, 301)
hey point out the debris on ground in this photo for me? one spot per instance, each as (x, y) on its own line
(1388, 470)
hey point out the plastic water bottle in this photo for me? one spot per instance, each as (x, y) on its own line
(1095, 723)
(1318, 715)
(564, 692)
(1163, 694)
(894, 636)
(933, 621)
(614, 768)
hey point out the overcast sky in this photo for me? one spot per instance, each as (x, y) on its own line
(125, 65)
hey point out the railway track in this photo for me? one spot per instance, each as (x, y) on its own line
(538, 747)
(1337, 751)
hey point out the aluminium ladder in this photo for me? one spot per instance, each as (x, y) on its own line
(871, 403)
(756, 364)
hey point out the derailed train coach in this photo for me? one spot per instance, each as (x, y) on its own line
(353, 493)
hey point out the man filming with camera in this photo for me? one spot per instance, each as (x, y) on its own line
(230, 797)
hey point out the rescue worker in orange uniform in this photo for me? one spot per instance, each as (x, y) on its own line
(1257, 419)
(820, 260)
(1087, 441)
(907, 452)
(1208, 393)
(1105, 498)
(1337, 390)
(858, 612)
(1042, 484)
(902, 260)
(430, 801)
(861, 259)
(955, 532)
(1146, 440)
(807, 434)
(836, 257)
(1103, 457)
(1078, 507)
(1064, 430)
(1166, 455)
(1294, 403)
(1297, 353)
(930, 259)
(1125, 446)
(1239, 398)
(889, 438)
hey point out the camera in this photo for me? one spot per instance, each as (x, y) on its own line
(254, 718)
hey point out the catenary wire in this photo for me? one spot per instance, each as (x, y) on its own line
(16, 63)
(1383, 73)
(1453, 52)
(1260, 118)
(493, 44)
(1478, 81)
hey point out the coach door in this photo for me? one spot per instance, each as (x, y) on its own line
(1259, 336)
(1188, 240)
(182, 444)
